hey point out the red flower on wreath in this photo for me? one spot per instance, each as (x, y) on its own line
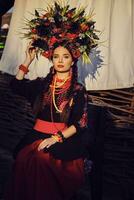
(45, 16)
(52, 40)
(84, 27)
(71, 35)
(47, 23)
(67, 25)
(56, 30)
(76, 53)
(47, 54)
(62, 35)
(70, 14)
(34, 30)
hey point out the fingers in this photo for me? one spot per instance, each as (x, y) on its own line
(46, 143)
(42, 145)
(30, 44)
(31, 52)
(30, 47)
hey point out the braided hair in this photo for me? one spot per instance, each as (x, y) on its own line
(38, 104)
(66, 111)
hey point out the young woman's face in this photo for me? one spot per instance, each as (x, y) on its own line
(62, 59)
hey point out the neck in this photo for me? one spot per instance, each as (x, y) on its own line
(62, 75)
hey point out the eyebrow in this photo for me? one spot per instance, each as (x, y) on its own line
(63, 54)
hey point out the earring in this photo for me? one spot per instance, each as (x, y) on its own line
(70, 72)
(53, 71)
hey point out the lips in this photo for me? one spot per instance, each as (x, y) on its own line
(60, 66)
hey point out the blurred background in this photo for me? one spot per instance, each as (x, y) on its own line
(5, 17)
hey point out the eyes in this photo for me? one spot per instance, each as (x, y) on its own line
(66, 56)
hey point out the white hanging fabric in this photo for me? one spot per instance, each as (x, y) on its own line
(115, 19)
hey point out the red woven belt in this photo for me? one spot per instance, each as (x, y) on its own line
(48, 127)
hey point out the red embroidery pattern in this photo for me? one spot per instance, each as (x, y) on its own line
(83, 120)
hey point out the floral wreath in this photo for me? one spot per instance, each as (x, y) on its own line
(63, 26)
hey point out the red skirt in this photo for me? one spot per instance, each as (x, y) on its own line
(37, 175)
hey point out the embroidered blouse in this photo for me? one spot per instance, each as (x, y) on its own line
(73, 147)
(30, 89)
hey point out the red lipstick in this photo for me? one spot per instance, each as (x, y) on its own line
(60, 66)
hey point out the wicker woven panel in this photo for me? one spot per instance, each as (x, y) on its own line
(120, 104)
(118, 134)
(15, 115)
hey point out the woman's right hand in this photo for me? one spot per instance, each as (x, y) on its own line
(30, 54)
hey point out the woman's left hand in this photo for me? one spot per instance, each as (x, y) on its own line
(46, 143)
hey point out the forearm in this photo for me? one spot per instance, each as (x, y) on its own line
(20, 74)
(30, 55)
(71, 130)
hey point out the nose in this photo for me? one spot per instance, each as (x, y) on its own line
(60, 59)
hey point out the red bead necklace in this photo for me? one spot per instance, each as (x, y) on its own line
(59, 89)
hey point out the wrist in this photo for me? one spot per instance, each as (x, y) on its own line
(57, 138)
(23, 68)
(26, 63)
(60, 134)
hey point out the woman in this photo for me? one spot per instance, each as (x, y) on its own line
(49, 162)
